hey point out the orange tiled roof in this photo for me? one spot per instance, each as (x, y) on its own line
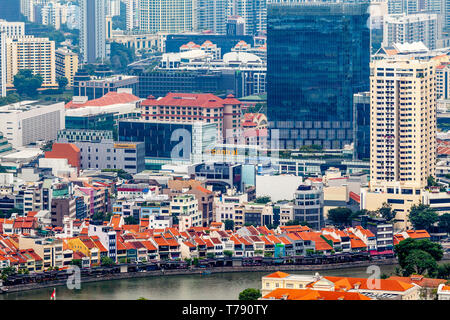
(385, 284)
(309, 294)
(418, 234)
(277, 274)
(420, 280)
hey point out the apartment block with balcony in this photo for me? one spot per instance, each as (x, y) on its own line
(51, 250)
(403, 134)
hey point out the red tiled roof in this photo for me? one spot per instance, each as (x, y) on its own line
(205, 100)
(111, 98)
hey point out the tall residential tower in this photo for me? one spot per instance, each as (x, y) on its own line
(93, 30)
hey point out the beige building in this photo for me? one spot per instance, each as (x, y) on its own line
(402, 133)
(66, 64)
(51, 250)
(28, 52)
(12, 29)
(185, 207)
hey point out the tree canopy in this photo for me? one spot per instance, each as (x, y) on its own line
(10, 98)
(419, 262)
(27, 83)
(229, 225)
(121, 56)
(444, 222)
(62, 83)
(416, 255)
(422, 216)
(342, 216)
(263, 199)
(250, 294)
(131, 220)
(107, 261)
(386, 212)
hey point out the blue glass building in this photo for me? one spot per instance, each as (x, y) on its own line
(318, 57)
(361, 125)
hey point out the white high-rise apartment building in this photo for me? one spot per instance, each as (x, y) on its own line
(132, 14)
(12, 29)
(403, 122)
(414, 6)
(113, 8)
(402, 134)
(211, 15)
(27, 8)
(93, 30)
(402, 28)
(28, 52)
(2, 64)
(55, 14)
(171, 16)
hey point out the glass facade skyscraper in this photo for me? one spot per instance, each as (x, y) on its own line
(318, 57)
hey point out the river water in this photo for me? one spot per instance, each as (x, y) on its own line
(223, 286)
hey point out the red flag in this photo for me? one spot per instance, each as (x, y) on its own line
(53, 296)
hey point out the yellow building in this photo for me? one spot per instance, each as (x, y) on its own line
(51, 250)
(86, 246)
(402, 134)
(28, 52)
(66, 64)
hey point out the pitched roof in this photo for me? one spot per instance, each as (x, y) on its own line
(418, 234)
(309, 294)
(277, 274)
(204, 100)
(111, 98)
(385, 284)
(420, 280)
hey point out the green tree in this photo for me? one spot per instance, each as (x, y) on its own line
(62, 83)
(422, 216)
(295, 222)
(26, 83)
(419, 262)
(98, 216)
(386, 212)
(431, 182)
(228, 253)
(340, 216)
(121, 57)
(229, 225)
(405, 247)
(76, 262)
(444, 222)
(250, 294)
(142, 298)
(10, 98)
(107, 261)
(131, 220)
(210, 255)
(443, 271)
(8, 271)
(264, 199)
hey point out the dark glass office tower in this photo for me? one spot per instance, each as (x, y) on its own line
(361, 125)
(318, 57)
